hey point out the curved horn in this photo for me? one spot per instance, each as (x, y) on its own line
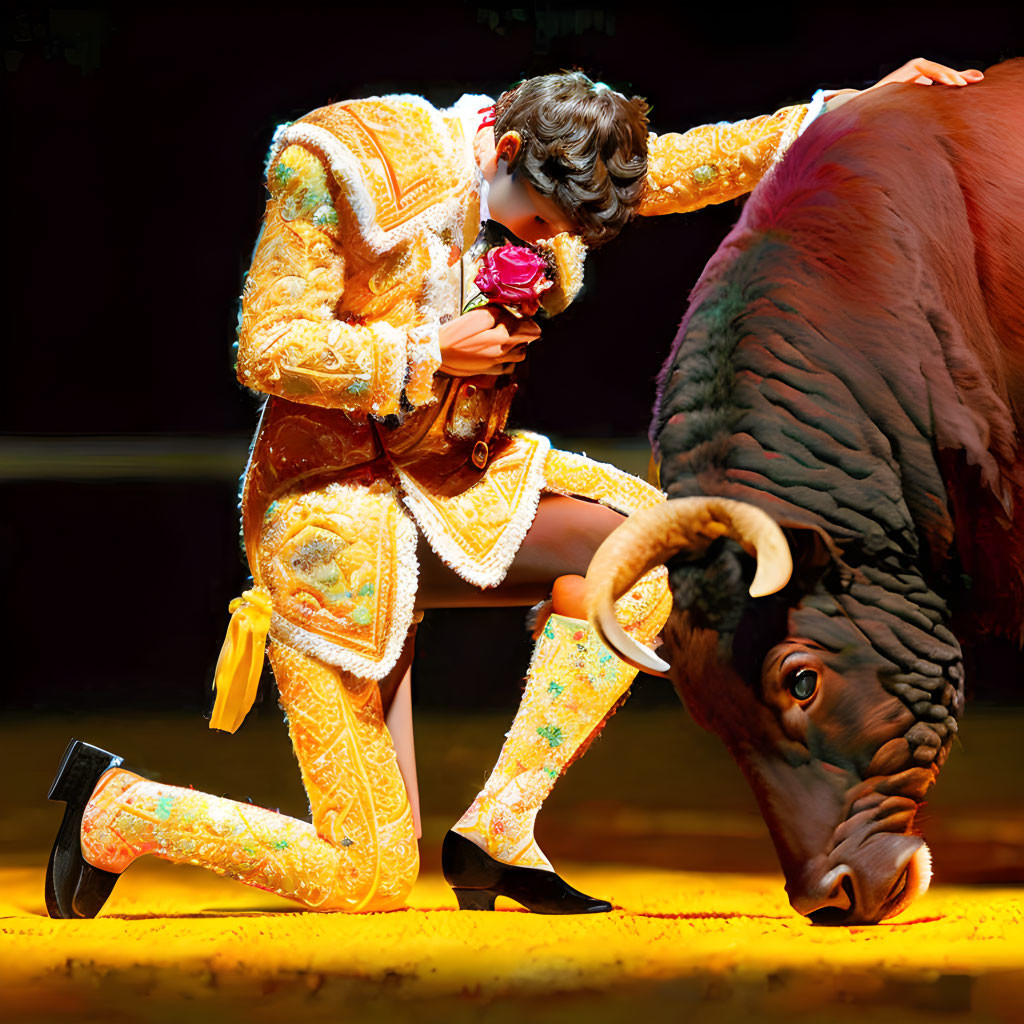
(649, 537)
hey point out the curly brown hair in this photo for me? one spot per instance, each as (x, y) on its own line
(583, 145)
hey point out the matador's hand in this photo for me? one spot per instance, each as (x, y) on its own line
(917, 72)
(487, 340)
(923, 72)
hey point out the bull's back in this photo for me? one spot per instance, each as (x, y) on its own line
(885, 254)
(945, 163)
(983, 131)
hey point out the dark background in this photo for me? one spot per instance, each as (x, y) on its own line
(132, 197)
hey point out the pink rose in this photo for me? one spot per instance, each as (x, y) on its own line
(512, 275)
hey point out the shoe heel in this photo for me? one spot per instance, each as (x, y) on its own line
(82, 762)
(477, 878)
(475, 899)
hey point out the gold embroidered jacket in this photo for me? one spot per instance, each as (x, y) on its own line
(360, 260)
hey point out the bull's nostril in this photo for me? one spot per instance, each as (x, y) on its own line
(842, 901)
(835, 908)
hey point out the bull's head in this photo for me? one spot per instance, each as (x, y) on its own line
(839, 725)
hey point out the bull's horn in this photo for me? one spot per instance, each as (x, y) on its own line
(649, 537)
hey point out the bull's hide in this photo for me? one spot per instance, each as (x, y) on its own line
(852, 362)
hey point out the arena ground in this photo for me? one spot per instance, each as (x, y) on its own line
(652, 799)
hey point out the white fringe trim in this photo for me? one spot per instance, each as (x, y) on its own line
(815, 108)
(793, 132)
(406, 577)
(439, 295)
(390, 366)
(424, 343)
(490, 571)
(250, 555)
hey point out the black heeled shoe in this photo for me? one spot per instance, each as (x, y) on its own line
(74, 888)
(477, 878)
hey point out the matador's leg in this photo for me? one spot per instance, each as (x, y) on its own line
(360, 852)
(573, 685)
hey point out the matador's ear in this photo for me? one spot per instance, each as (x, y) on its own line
(508, 146)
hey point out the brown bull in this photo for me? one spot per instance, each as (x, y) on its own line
(843, 406)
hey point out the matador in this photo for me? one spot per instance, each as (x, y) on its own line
(382, 481)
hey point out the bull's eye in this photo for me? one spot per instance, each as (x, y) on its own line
(803, 684)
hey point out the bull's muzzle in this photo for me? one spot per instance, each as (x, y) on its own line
(878, 879)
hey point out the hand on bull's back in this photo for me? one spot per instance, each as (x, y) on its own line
(924, 72)
(487, 341)
(918, 71)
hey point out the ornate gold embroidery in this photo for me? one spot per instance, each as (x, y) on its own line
(568, 253)
(296, 442)
(715, 162)
(291, 343)
(360, 853)
(340, 564)
(574, 683)
(385, 136)
(576, 475)
(477, 530)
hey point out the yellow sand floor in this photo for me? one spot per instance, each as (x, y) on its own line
(180, 944)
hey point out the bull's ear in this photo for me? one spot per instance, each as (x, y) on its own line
(815, 553)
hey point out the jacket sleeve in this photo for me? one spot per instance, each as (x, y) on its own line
(717, 162)
(303, 336)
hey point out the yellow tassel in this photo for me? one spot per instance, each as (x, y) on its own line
(237, 675)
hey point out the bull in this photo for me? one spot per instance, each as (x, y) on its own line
(839, 432)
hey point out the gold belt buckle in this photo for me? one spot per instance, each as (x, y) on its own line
(480, 455)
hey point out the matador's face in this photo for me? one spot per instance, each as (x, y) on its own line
(522, 209)
(517, 205)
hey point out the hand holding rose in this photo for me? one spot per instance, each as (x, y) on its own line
(492, 334)
(487, 340)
